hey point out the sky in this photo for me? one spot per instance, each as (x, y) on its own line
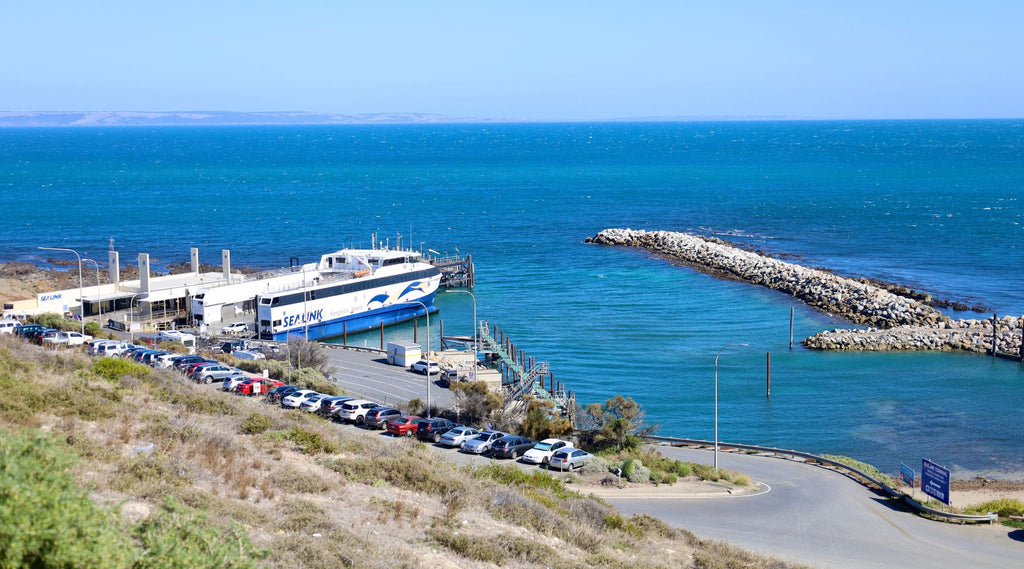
(525, 60)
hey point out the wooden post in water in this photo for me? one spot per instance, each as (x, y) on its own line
(382, 335)
(344, 333)
(415, 331)
(792, 313)
(768, 382)
(995, 335)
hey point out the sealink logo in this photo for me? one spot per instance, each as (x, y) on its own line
(297, 319)
(47, 297)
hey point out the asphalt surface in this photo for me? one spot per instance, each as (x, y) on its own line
(367, 374)
(821, 518)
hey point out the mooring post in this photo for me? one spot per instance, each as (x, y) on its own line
(344, 333)
(382, 335)
(995, 335)
(768, 382)
(415, 332)
(792, 313)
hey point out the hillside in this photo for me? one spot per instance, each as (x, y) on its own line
(304, 491)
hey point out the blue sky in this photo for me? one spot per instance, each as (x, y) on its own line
(554, 60)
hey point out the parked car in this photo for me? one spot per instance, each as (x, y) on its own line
(280, 392)
(404, 426)
(329, 406)
(185, 361)
(422, 366)
(7, 326)
(235, 328)
(209, 374)
(25, 330)
(248, 355)
(511, 446)
(294, 399)
(378, 417)
(354, 411)
(65, 338)
(542, 451)
(458, 436)
(232, 381)
(312, 404)
(481, 444)
(37, 336)
(113, 348)
(569, 459)
(248, 387)
(432, 429)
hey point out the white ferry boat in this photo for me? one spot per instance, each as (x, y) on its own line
(349, 291)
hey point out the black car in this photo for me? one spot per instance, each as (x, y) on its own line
(378, 417)
(27, 329)
(511, 446)
(432, 429)
(329, 406)
(278, 393)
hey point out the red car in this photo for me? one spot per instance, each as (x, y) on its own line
(245, 388)
(404, 426)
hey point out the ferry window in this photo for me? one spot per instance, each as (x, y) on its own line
(277, 301)
(264, 322)
(264, 301)
(277, 322)
(312, 295)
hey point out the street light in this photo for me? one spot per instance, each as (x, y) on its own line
(81, 300)
(476, 347)
(131, 332)
(716, 399)
(427, 310)
(99, 302)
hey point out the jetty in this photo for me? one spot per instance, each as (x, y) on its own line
(895, 322)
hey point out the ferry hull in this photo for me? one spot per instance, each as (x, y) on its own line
(360, 322)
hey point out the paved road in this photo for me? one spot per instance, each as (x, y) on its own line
(367, 374)
(821, 518)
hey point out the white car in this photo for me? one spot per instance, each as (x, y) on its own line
(354, 411)
(235, 328)
(423, 367)
(67, 339)
(295, 399)
(542, 451)
(232, 381)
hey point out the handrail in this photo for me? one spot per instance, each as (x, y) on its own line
(892, 492)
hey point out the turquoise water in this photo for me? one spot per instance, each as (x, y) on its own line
(935, 205)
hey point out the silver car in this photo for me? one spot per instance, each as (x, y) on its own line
(569, 459)
(481, 444)
(458, 437)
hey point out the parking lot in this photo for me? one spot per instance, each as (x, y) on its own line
(366, 374)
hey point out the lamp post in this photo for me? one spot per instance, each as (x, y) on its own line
(716, 400)
(131, 332)
(99, 302)
(476, 347)
(427, 311)
(81, 300)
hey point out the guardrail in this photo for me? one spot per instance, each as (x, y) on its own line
(858, 474)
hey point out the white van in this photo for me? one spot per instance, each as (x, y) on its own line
(189, 340)
(7, 326)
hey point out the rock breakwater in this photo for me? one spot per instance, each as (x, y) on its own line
(896, 323)
(851, 299)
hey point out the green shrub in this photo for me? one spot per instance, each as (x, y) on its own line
(309, 378)
(113, 369)
(639, 473)
(310, 442)
(178, 536)
(256, 423)
(1005, 507)
(46, 518)
(863, 467)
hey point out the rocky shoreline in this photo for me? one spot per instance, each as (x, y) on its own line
(896, 322)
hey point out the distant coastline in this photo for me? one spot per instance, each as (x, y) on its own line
(22, 119)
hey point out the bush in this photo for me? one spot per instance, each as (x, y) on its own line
(113, 369)
(178, 536)
(256, 423)
(308, 378)
(310, 442)
(640, 473)
(1005, 507)
(47, 518)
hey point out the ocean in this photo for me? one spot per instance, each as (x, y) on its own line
(935, 205)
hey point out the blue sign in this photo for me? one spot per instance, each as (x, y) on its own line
(935, 481)
(907, 475)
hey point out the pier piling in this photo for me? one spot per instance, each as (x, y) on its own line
(792, 314)
(768, 375)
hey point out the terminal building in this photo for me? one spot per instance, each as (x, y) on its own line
(153, 301)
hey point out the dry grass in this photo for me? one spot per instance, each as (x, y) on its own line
(315, 493)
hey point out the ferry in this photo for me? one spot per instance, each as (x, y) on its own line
(348, 291)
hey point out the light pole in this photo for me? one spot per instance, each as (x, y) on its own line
(131, 332)
(81, 300)
(716, 399)
(476, 347)
(99, 302)
(427, 311)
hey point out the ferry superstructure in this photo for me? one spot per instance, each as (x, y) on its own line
(347, 291)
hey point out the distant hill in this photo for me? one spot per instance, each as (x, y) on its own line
(212, 118)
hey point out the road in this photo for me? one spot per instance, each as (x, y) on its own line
(821, 518)
(367, 374)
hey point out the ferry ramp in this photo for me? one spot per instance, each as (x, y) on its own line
(365, 373)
